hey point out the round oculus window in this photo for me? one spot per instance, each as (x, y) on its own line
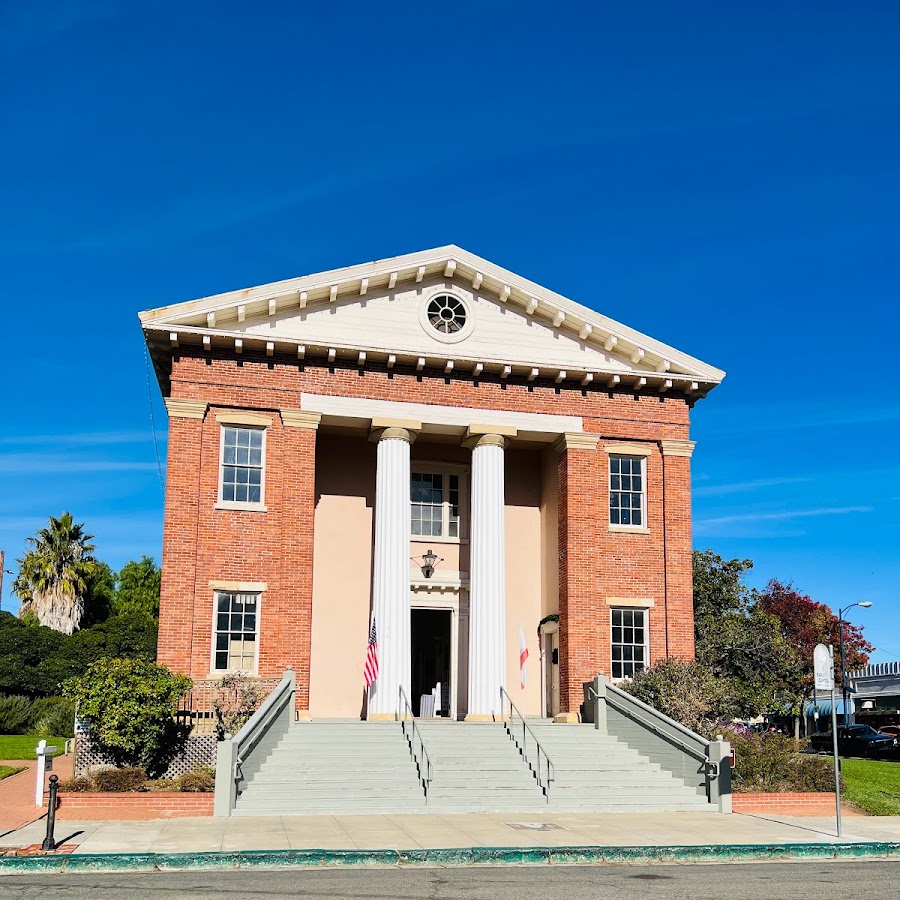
(446, 314)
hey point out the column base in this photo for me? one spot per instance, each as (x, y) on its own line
(568, 718)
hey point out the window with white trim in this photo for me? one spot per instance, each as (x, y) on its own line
(235, 634)
(627, 497)
(629, 641)
(436, 504)
(243, 462)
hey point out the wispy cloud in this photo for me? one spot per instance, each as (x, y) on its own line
(787, 515)
(62, 464)
(713, 490)
(83, 439)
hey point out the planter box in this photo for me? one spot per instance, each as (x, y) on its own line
(148, 805)
(799, 804)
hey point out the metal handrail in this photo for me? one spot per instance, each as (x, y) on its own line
(665, 735)
(411, 735)
(523, 747)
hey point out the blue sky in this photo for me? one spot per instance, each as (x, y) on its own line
(721, 176)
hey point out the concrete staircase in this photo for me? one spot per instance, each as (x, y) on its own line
(335, 767)
(597, 772)
(365, 767)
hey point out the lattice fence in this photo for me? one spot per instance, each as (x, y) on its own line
(198, 750)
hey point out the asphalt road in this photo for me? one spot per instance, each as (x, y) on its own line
(766, 881)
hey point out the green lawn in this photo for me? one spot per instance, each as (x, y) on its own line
(6, 771)
(873, 785)
(21, 746)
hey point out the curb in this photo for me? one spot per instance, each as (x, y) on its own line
(464, 856)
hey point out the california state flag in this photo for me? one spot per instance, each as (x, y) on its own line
(523, 655)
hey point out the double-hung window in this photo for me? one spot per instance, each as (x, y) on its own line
(235, 634)
(629, 642)
(243, 461)
(436, 498)
(627, 492)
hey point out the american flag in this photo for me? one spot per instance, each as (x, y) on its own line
(370, 673)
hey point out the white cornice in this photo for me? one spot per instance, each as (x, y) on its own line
(211, 315)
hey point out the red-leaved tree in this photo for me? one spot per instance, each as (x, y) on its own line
(806, 623)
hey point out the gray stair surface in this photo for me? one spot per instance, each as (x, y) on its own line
(365, 767)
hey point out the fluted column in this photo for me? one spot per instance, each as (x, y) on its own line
(391, 586)
(487, 575)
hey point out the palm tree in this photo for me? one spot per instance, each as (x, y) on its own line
(54, 574)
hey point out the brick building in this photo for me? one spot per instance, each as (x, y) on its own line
(437, 446)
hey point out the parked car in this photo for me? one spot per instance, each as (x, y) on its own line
(854, 740)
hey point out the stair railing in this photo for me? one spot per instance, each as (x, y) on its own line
(413, 735)
(519, 732)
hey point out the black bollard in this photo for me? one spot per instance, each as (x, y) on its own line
(49, 843)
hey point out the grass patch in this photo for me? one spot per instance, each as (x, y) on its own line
(21, 746)
(6, 771)
(873, 785)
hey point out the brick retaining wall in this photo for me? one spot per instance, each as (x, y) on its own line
(797, 804)
(162, 805)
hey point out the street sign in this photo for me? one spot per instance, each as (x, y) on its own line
(824, 668)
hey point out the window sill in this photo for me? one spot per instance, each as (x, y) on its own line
(219, 674)
(246, 507)
(629, 529)
(426, 539)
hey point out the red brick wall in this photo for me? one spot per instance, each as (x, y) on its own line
(203, 544)
(800, 804)
(134, 806)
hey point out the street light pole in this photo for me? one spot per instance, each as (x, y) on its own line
(865, 604)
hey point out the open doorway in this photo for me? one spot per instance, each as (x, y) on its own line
(431, 650)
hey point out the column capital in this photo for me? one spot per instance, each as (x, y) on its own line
(300, 418)
(488, 436)
(384, 428)
(185, 409)
(576, 440)
(677, 448)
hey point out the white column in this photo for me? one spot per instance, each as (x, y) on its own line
(487, 578)
(391, 586)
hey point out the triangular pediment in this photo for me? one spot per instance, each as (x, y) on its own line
(392, 309)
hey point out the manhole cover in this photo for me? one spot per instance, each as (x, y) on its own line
(535, 826)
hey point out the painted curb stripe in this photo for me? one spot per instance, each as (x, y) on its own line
(463, 856)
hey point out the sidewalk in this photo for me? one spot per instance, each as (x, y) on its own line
(17, 793)
(462, 831)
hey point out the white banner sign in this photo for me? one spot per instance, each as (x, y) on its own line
(824, 668)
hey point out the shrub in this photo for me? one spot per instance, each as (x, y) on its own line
(685, 691)
(120, 781)
(238, 697)
(54, 716)
(130, 706)
(15, 714)
(80, 784)
(197, 781)
(774, 762)
(161, 785)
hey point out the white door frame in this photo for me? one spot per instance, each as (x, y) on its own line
(444, 602)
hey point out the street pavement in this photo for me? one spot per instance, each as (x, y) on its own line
(754, 881)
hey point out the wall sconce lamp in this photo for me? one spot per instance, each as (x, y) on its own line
(429, 561)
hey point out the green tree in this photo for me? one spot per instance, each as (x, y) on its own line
(55, 573)
(734, 639)
(100, 595)
(130, 705)
(138, 588)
